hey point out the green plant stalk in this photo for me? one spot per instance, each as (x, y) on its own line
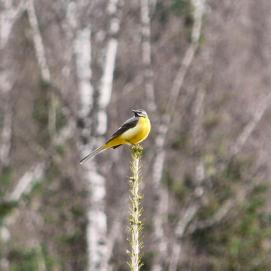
(136, 225)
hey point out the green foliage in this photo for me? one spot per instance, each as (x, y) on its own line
(183, 8)
(211, 120)
(233, 171)
(181, 141)
(180, 188)
(243, 243)
(30, 259)
(60, 118)
(179, 8)
(77, 211)
(162, 12)
(60, 149)
(37, 189)
(147, 261)
(71, 238)
(40, 112)
(70, 214)
(210, 166)
(5, 179)
(40, 115)
(23, 260)
(224, 185)
(6, 208)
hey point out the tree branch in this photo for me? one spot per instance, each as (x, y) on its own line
(199, 176)
(27, 181)
(236, 148)
(38, 43)
(6, 135)
(158, 166)
(251, 126)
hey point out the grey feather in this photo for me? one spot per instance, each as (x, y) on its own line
(128, 124)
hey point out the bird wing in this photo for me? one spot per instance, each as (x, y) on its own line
(128, 124)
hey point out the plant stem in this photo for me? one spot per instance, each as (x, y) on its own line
(135, 210)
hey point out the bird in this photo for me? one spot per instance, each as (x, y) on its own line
(132, 132)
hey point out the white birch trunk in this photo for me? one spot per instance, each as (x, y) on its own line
(96, 227)
(97, 221)
(109, 67)
(97, 211)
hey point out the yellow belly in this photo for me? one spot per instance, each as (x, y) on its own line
(134, 135)
(139, 133)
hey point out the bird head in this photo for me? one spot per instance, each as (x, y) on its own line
(140, 113)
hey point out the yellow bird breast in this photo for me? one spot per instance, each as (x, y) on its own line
(138, 133)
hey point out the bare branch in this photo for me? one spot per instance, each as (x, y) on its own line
(221, 214)
(186, 219)
(24, 187)
(158, 165)
(176, 88)
(112, 238)
(197, 130)
(228, 206)
(238, 145)
(27, 181)
(6, 135)
(6, 139)
(251, 126)
(43, 62)
(38, 43)
(195, 203)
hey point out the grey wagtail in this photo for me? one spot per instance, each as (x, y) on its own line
(132, 132)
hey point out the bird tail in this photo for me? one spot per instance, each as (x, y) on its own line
(93, 153)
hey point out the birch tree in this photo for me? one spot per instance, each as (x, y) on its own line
(96, 109)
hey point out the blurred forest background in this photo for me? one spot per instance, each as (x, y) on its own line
(70, 73)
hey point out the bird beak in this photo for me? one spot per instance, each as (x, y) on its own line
(135, 111)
